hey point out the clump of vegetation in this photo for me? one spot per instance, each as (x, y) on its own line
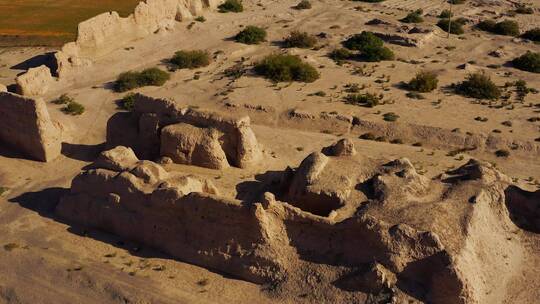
(529, 62)
(451, 26)
(446, 14)
(424, 81)
(74, 108)
(234, 6)
(506, 27)
(70, 105)
(456, 1)
(251, 35)
(367, 100)
(390, 116)
(127, 102)
(304, 4)
(279, 67)
(502, 153)
(300, 40)
(479, 85)
(341, 54)
(524, 9)
(200, 19)
(190, 59)
(3, 190)
(414, 17)
(149, 77)
(371, 47)
(63, 99)
(532, 34)
(235, 72)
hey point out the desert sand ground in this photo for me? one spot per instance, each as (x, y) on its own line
(45, 260)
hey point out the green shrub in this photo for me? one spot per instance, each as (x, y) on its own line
(190, 59)
(532, 34)
(523, 9)
(414, 17)
(390, 116)
(127, 102)
(63, 99)
(502, 153)
(304, 4)
(338, 55)
(374, 54)
(251, 35)
(371, 47)
(74, 108)
(359, 42)
(301, 40)
(234, 6)
(200, 19)
(506, 27)
(149, 77)
(446, 14)
(423, 82)
(529, 62)
(453, 27)
(279, 67)
(479, 85)
(366, 100)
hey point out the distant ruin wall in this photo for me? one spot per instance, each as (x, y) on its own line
(26, 126)
(107, 32)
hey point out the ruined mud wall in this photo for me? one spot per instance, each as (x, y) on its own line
(142, 130)
(107, 32)
(25, 125)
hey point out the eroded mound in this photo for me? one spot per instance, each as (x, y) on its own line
(385, 229)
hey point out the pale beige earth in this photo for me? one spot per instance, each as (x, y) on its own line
(44, 260)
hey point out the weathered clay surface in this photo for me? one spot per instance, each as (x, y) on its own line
(26, 126)
(35, 81)
(266, 240)
(107, 32)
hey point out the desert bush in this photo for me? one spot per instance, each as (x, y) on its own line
(502, 153)
(234, 6)
(479, 85)
(414, 17)
(532, 34)
(127, 102)
(149, 77)
(74, 108)
(366, 100)
(251, 35)
(524, 9)
(200, 19)
(390, 116)
(375, 54)
(446, 14)
(506, 27)
(529, 62)
(423, 82)
(453, 27)
(371, 47)
(359, 42)
(300, 40)
(304, 4)
(279, 67)
(338, 55)
(63, 99)
(190, 59)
